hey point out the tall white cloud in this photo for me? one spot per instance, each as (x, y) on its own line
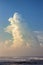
(20, 37)
(14, 29)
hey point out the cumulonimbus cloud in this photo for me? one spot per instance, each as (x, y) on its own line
(13, 28)
(28, 39)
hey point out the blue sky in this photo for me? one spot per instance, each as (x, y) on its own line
(31, 10)
(31, 27)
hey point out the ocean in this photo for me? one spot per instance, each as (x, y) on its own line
(21, 60)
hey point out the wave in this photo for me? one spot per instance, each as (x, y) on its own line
(21, 60)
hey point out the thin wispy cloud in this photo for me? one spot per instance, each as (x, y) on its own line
(39, 35)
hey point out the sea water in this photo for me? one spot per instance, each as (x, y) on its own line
(21, 60)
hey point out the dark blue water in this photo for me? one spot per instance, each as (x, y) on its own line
(20, 64)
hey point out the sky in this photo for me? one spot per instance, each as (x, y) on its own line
(21, 28)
